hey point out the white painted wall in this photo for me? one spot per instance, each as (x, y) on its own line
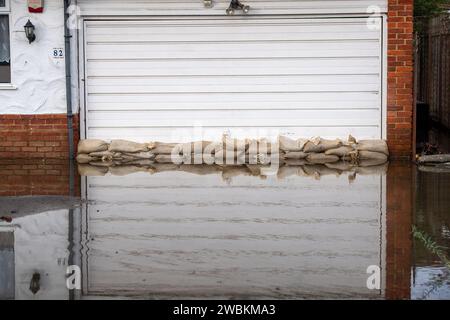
(38, 80)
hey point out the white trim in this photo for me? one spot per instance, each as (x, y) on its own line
(7, 86)
(384, 73)
(7, 7)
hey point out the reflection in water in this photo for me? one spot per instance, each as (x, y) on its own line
(179, 234)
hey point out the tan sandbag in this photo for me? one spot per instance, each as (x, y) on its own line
(263, 146)
(234, 144)
(229, 157)
(340, 152)
(168, 158)
(127, 146)
(140, 155)
(434, 158)
(84, 158)
(295, 155)
(288, 144)
(163, 148)
(141, 162)
(104, 154)
(86, 170)
(92, 145)
(321, 145)
(197, 147)
(370, 155)
(102, 163)
(379, 146)
(321, 158)
(295, 162)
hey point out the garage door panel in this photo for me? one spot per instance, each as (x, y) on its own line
(232, 67)
(300, 76)
(276, 49)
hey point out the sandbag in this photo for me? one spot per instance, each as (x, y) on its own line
(197, 147)
(229, 157)
(435, 158)
(262, 146)
(92, 145)
(87, 170)
(84, 158)
(321, 145)
(102, 163)
(295, 155)
(370, 155)
(287, 144)
(127, 146)
(104, 154)
(321, 158)
(140, 155)
(379, 146)
(235, 144)
(163, 148)
(295, 162)
(340, 152)
(168, 158)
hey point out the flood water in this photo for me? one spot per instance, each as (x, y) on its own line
(175, 234)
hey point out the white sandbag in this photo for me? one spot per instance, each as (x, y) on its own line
(321, 145)
(87, 170)
(321, 158)
(373, 146)
(288, 144)
(91, 145)
(295, 155)
(102, 163)
(370, 155)
(340, 152)
(84, 158)
(127, 146)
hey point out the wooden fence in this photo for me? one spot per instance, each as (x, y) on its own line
(433, 69)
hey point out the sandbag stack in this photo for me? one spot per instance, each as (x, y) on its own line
(286, 151)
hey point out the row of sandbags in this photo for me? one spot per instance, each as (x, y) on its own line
(233, 151)
(229, 171)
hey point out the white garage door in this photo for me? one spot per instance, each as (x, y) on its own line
(183, 79)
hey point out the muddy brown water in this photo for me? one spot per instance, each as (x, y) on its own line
(184, 235)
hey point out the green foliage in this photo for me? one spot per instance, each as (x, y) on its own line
(429, 8)
(432, 247)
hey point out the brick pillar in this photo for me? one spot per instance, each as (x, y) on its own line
(400, 78)
(399, 213)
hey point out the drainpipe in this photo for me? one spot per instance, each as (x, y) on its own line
(67, 37)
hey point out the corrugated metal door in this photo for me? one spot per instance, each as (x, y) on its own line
(157, 79)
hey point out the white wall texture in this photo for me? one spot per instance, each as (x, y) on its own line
(39, 79)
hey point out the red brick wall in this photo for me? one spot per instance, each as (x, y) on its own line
(400, 78)
(36, 136)
(22, 177)
(399, 213)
